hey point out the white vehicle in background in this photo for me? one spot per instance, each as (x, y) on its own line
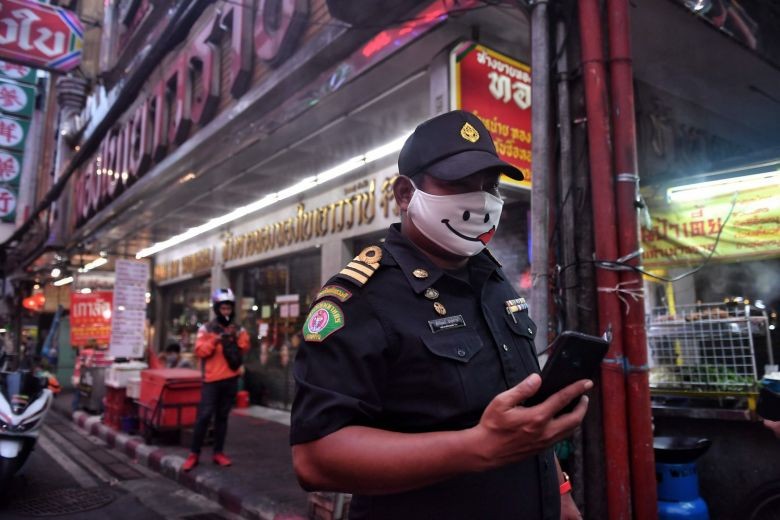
(24, 402)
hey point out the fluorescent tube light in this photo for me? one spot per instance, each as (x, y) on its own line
(94, 264)
(299, 187)
(63, 281)
(710, 189)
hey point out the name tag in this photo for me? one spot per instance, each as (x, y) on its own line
(450, 322)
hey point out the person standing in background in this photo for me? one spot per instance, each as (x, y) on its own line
(220, 345)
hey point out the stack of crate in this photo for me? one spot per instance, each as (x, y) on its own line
(117, 406)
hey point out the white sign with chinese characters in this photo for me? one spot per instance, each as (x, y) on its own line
(129, 310)
(7, 202)
(10, 167)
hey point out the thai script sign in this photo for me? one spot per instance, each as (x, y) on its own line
(497, 89)
(357, 209)
(684, 233)
(129, 309)
(90, 318)
(40, 35)
(182, 100)
(199, 262)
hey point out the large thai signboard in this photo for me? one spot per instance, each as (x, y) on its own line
(685, 233)
(497, 89)
(40, 35)
(90, 318)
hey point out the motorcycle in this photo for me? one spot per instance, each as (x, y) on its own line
(24, 402)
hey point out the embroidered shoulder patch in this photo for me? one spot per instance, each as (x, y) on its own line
(324, 319)
(335, 291)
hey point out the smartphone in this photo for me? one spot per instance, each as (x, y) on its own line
(574, 356)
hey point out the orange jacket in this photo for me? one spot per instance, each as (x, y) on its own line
(208, 347)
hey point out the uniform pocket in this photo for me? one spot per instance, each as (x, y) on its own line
(461, 345)
(524, 326)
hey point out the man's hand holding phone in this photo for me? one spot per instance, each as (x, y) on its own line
(509, 432)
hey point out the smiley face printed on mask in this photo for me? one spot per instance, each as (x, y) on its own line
(461, 224)
(467, 216)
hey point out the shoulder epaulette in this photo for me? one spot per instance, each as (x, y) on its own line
(363, 266)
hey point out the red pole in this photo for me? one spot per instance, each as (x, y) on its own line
(643, 480)
(612, 378)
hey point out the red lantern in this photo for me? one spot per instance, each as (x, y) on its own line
(34, 302)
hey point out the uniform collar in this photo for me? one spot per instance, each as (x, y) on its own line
(410, 259)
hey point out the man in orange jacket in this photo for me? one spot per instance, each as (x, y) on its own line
(220, 346)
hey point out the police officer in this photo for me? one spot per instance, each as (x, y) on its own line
(418, 356)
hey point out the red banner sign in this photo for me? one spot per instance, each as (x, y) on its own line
(90, 318)
(498, 90)
(40, 35)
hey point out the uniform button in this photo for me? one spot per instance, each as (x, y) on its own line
(506, 349)
(530, 331)
(461, 352)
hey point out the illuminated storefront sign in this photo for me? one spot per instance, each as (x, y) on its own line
(197, 263)
(362, 206)
(684, 233)
(498, 90)
(182, 100)
(90, 318)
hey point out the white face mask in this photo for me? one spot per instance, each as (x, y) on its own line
(462, 224)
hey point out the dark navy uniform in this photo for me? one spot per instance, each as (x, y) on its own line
(388, 359)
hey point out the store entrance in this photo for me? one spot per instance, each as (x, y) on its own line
(188, 306)
(273, 298)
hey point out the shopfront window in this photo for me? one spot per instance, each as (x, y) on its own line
(273, 298)
(709, 236)
(189, 307)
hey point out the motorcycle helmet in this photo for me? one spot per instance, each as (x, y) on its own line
(220, 296)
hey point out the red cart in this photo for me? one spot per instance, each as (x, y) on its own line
(169, 400)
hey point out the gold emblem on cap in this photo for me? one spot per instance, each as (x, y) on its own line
(439, 308)
(370, 255)
(469, 133)
(431, 293)
(420, 273)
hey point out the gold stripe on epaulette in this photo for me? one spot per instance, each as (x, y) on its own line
(363, 268)
(356, 276)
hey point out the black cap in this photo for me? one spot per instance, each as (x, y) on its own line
(452, 146)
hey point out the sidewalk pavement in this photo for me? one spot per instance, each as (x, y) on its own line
(259, 485)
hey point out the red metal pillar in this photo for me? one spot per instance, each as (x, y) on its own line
(599, 145)
(643, 481)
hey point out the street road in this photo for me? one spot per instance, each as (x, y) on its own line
(72, 476)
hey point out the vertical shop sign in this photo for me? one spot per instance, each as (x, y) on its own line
(10, 168)
(129, 310)
(17, 72)
(13, 132)
(498, 90)
(90, 318)
(16, 99)
(40, 35)
(7, 205)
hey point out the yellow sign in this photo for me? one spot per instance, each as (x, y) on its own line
(684, 233)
